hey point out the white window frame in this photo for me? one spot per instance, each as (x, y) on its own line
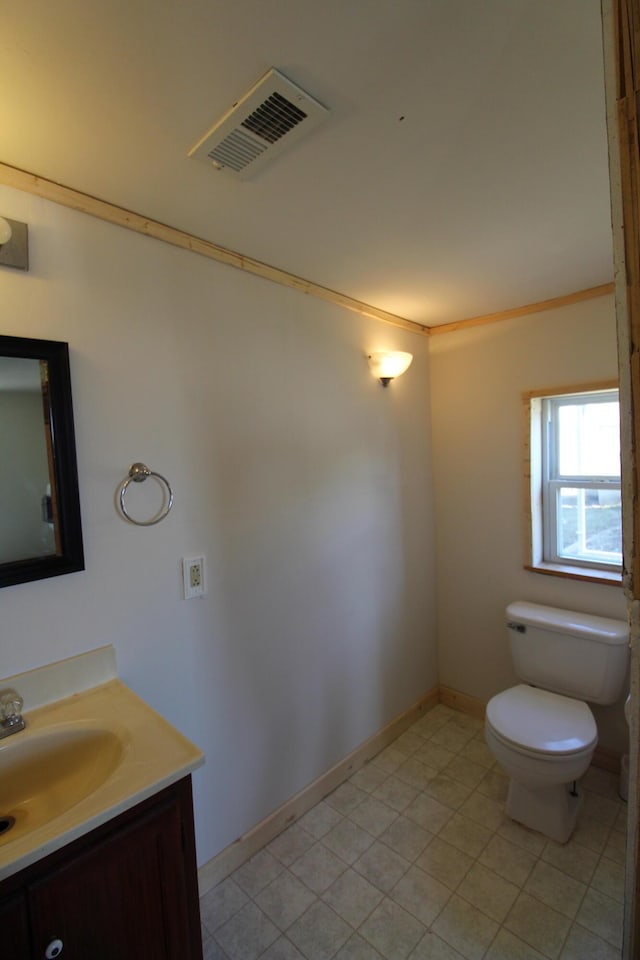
(543, 481)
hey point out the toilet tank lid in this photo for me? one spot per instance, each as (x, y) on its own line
(599, 629)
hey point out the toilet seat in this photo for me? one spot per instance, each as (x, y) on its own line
(540, 723)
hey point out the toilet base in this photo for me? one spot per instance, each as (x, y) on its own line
(551, 810)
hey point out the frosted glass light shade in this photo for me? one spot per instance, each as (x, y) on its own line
(5, 231)
(389, 364)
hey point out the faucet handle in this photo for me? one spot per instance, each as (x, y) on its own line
(11, 704)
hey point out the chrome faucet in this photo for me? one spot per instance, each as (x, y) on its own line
(11, 719)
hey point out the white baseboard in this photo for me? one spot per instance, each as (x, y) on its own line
(233, 856)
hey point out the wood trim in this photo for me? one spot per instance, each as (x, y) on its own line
(572, 388)
(244, 847)
(102, 210)
(571, 573)
(564, 301)
(462, 702)
(75, 200)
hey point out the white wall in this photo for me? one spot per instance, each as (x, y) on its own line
(306, 485)
(478, 376)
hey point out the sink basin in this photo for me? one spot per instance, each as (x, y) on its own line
(44, 773)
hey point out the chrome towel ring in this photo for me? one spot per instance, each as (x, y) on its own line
(138, 472)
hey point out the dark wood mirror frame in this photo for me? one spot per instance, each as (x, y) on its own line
(69, 555)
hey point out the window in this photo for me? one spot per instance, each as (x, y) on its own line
(576, 515)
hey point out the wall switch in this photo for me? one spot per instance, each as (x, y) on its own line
(193, 577)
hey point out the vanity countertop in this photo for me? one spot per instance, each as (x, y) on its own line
(140, 752)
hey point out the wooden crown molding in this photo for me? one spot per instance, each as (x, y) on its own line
(85, 203)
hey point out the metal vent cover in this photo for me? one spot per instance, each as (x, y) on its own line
(273, 114)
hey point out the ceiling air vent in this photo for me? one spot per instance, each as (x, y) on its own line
(273, 114)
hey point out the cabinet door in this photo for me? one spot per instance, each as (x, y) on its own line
(14, 936)
(124, 898)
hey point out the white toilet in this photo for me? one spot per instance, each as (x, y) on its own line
(540, 733)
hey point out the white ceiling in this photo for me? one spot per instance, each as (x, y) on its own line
(491, 193)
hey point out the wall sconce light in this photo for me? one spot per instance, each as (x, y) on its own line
(389, 364)
(14, 244)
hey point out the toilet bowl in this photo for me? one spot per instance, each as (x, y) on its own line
(544, 742)
(542, 732)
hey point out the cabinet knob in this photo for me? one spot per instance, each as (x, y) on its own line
(54, 949)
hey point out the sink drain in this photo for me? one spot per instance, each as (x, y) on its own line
(6, 822)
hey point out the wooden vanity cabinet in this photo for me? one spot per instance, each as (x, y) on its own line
(126, 890)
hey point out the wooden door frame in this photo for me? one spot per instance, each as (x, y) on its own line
(621, 44)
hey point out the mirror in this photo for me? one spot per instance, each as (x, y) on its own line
(40, 528)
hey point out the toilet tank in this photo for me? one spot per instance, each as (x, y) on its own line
(576, 654)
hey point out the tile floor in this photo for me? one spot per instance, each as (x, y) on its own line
(414, 858)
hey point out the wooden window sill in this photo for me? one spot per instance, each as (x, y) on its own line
(611, 577)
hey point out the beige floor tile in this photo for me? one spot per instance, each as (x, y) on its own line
(602, 916)
(320, 819)
(247, 934)
(529, 840)
(428, 813)
(434, 755)
(320, 932)
(254, 875)
(291, 844)
(452, 737)
(408, 742)
(621, 819)
(478, 752)
(318, 868)
(466, 835)
(465, 928)
(602, 782)
(416, 773)
(352, 897)
(390, 759)
(423, 896)
(465, 770)
(373, 816)
(368, 778)
(221, 903)
(583, 945)
(494, 784)
(507, 860)
(392, 930)
(468, 722)
(601, 808)
(346, 798)
(445, 862)
(406, 838)
(609, 879)
(212, 950)
(507, 947)
(357, 948)
(428, 725)
(483, 810)
(347, 840)
(491, 894)
(395, 793)
(555, 889)
(452, 793)
(381, 866)
(591, 833)
(432, 947)
(572, 858)
(282, 949)
(616, 847)
(285, 899)
(538, 925)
